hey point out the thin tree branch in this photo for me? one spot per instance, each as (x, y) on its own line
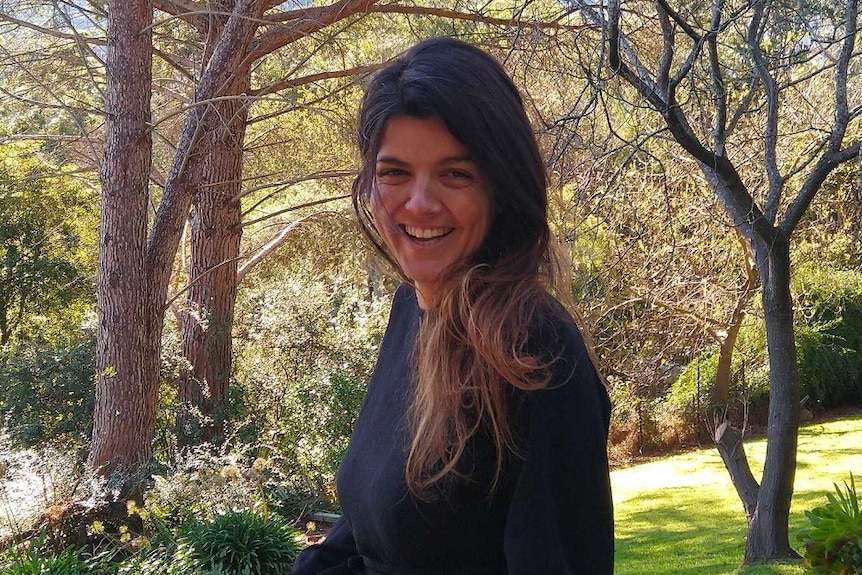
(719, 91)
(51, 32)
(828, 162)
(841, 71)
(667, 46)
(314, 20)
(834, 156)
(294, 82)
(294, 208)
(770, 142)
(274, 244)
(193, 13)
(285, 184)
(679, 20)
(472, 17)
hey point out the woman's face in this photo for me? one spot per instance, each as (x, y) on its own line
(432, 206)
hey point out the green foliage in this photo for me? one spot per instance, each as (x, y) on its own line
(47, 393)
(306, 341)
(833, 542)
(47, 248)
(242, 542)
(36, 558)
(829, 335)
(305, 377)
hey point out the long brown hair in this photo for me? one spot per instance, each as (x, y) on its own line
(473, 343)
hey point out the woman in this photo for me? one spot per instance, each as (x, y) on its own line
(480, 447)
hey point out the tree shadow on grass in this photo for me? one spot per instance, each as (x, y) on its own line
(681, 531)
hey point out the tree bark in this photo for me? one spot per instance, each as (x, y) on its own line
(207, 318)
(732, 451)
(126, 387)
(768, 537)
(721, 387)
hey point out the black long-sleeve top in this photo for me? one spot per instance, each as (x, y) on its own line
(551, 513)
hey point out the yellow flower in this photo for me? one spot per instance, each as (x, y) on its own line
(230, 472)
(97, 527)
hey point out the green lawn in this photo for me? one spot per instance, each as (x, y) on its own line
(681, 516)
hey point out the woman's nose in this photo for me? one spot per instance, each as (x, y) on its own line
(422, 197)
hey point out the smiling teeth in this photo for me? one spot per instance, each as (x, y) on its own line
(426, 234)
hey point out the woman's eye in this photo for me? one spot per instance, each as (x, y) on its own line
(458, 178)
(388, 175)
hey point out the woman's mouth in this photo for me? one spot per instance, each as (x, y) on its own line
(425, 234)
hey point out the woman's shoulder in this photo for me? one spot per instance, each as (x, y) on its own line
(404, 303)
(554, 326)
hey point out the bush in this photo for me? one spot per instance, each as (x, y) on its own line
(36, 558)
(828, 328)
(47, 394)
(242, 542)
(829, 336)
(205, 484)
(304, 356)
(833, 542)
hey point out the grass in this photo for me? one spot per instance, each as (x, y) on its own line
(681, 515)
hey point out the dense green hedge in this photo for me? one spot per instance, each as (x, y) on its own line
(828, 319)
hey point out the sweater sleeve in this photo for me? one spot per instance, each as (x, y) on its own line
(332, 556)
(560, 518)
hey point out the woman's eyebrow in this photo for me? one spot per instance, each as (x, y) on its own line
(391, 160)
(447, 160)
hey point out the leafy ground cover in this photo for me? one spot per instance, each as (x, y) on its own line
(680, 515)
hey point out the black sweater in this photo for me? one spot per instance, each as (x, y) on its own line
(551, 513)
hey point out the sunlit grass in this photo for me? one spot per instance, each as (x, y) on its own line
(681, 515)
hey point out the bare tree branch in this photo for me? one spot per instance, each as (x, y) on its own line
(294, 82)
(275, 243)
(284, 184)
(667, 46)
(472, 17)
(835, 155)
(666, 9)
(193, 13)
(719, 134)
(51, 32)
(294, 208)
(756, 29)
(314, 20)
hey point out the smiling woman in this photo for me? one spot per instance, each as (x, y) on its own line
(430, 203)
(480, 447)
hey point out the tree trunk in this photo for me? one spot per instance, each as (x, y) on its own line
(721, 387)
(729, 443)
(126, 388)
(768, 537)
(207, 318)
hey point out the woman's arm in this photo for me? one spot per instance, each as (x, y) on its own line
(560, 520)
(330, 557)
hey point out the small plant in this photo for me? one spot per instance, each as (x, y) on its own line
(833, 542)
(36, 558)
(242, 542)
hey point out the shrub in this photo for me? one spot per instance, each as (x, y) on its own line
(241, 542)
(829, 336)
(204, 484)
(36, 558)
(833, 542)
(304, 356)
(47, 393)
